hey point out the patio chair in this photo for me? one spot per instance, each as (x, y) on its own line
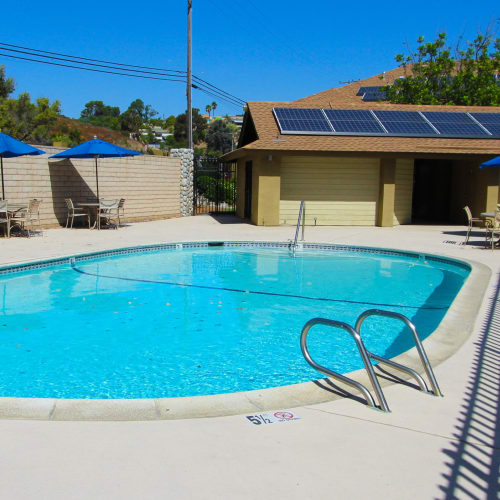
(27, 219)
(5, 217)
(108, 211)
(493, 230)
(471, 221)
(121, 206)
(75, 212)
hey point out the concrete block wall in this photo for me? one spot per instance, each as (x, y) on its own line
(150, 184)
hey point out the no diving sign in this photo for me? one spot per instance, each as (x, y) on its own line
(272, 418)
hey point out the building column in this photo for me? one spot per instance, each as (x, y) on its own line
(492, 182)
(387, 191)
(240, 188)
(266, 190)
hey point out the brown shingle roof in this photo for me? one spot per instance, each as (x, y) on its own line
(270, 138)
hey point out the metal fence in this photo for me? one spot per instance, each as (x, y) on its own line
(214, 186)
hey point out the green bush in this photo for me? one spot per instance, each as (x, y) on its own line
(207, 186)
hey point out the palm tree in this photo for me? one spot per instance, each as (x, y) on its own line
(208, 108)
(214, 107)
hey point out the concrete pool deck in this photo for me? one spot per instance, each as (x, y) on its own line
(426, 448)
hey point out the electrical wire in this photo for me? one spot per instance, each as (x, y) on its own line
(201, 83)
(89, 59)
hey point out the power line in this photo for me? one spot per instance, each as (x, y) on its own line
(182, 80)
(237, 104)
(31, 53)
(89, 59)
(91, 69)
(209, 87)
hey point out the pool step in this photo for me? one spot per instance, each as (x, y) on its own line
(367, 355)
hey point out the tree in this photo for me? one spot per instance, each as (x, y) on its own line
(219, 137)
(199, 127)
(169, 123)
(98, 113)
(434, 76)
(208, 109)
(213, 107)
(7, 85)
(134, 118)
(28, 121)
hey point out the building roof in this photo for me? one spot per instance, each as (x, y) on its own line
(267, 136)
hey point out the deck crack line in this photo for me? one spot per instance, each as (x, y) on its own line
(448, 438)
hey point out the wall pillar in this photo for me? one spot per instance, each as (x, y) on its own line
(492, 188)
(240, 188)
(387, 191)
(187, 168)
(266, 190)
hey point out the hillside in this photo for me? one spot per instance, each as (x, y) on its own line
(88, 131)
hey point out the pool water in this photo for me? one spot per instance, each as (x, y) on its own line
(197, 321)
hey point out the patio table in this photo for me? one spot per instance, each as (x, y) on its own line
(93, 209)
(490, 215)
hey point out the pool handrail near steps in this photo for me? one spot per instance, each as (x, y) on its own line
(418, 344)
(367, 355)
(364, 356)
(301, 217)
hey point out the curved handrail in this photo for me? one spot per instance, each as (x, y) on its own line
(418, 343)
(364, 356)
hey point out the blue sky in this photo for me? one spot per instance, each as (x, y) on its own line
(253, 49)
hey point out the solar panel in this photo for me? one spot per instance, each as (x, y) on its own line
(365, 90)
(491, 121)
(375, 95)
(455, 124)
(405, 123)
(301, 120)
(357, 121)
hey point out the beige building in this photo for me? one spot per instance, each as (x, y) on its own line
(360, 180)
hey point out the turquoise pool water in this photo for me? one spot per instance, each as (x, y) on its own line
(207, 320)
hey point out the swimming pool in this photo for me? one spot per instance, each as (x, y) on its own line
(198, 319)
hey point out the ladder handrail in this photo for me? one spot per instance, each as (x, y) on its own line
(418, 343)
(364, 356)
(302, 214)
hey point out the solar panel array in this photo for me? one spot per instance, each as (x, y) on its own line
(364, 122)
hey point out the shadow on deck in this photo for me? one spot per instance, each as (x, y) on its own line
(473, 459)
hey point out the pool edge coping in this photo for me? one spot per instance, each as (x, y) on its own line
(452, 332)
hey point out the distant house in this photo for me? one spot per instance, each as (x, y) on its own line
(159, 133)
(355, 161)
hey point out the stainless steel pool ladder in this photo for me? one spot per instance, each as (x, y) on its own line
(300, 218)
(367, 355)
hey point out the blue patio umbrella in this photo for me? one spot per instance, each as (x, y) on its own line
(96, 148)
(495, 162)
(10, 148)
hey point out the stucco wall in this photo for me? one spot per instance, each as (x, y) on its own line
(150, 184)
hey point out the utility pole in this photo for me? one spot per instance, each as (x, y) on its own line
(189, 84)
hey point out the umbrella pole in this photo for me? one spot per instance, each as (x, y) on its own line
(96, 178)
(3, 187)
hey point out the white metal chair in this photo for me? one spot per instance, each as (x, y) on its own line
(121, 206)
(108, 212)
(75, 212)
(493, 230)
(471, 221)
(5, 217)
(27, 219)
